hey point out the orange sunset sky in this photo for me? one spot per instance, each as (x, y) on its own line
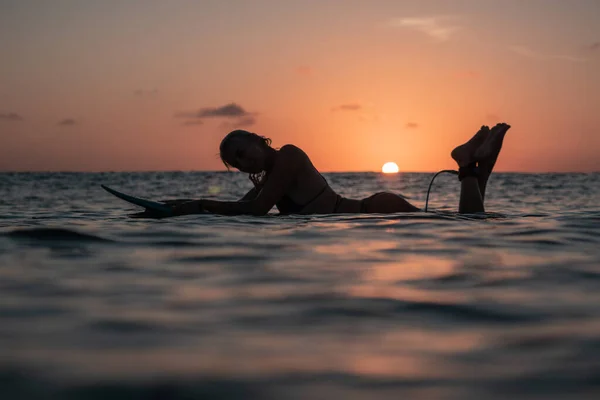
(154, 85)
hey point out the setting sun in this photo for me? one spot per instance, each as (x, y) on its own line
(389, 168)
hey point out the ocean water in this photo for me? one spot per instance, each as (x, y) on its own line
(95, 305)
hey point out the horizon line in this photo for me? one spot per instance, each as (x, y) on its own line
(240, 172)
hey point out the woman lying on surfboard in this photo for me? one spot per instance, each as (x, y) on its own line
(287, 179)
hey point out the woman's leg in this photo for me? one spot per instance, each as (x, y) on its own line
(487, 154)
(483, 149)
(471, 200)
(386, 203)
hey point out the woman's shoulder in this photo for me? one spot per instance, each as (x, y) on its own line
(291, 150)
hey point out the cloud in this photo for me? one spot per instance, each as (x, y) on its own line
(594, 46)
(145, 92)
(364, 112)
(240, 123)
(67, 122)
(10, 117)
(233, 112)
(348, 107)
(246, 121)
(437, 28)
(529, 53)
(411, 125)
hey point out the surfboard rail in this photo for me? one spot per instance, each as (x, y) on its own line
(138, 201)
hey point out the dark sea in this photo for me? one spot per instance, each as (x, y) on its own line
(96, 305)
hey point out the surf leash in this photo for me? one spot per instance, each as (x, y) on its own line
(449, 171)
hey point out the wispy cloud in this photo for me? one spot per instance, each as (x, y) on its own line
(243, 122)
(67, 122)
(411, 125)
(529, 53)
(348, 107)
(437, 28)
(364, 112)
(233, 112)
(594, 46)
(11, 116)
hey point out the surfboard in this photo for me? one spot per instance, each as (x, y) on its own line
(149, 205)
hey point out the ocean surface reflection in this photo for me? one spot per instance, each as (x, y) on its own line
(435, 305)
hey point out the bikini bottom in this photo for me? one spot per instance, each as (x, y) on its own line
(362, 208)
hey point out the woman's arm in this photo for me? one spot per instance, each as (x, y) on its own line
(213, 206)
(189, 206)
(175, 202)
(282, 175)
(251, 195)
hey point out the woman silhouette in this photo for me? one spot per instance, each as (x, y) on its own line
(287, 179)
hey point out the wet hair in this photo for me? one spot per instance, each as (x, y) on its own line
(239, 133)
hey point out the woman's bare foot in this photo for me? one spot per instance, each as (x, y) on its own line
(487, 154)
(465, 153)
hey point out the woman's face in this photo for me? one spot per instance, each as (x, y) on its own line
(247, 155)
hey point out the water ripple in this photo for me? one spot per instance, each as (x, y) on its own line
(417, 305)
